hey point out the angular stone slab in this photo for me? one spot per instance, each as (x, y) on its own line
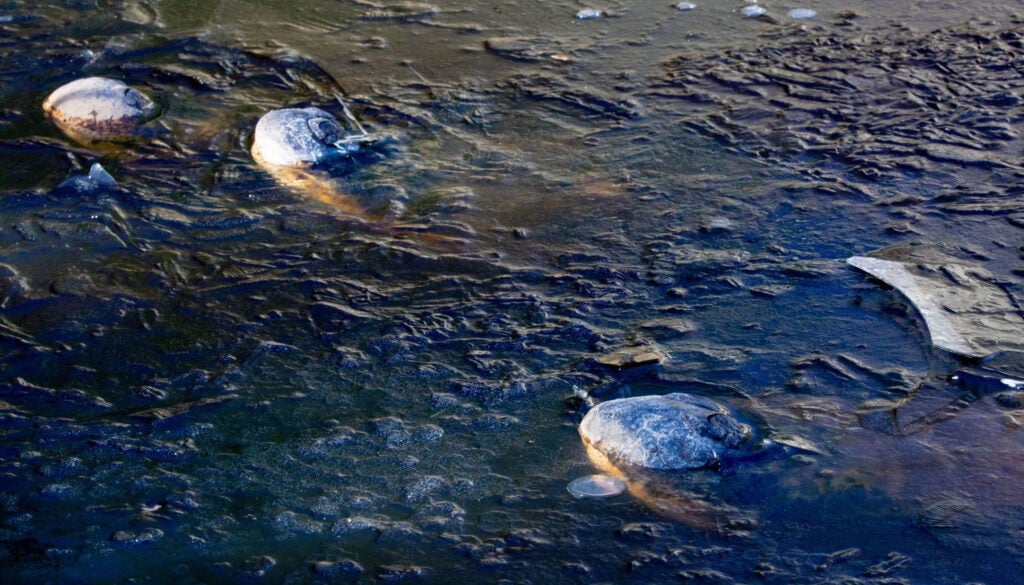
(964, 311)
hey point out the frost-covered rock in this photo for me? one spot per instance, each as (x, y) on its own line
(674, 431)
(299, 137)
(97, 108)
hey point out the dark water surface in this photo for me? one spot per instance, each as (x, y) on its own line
(209, 376)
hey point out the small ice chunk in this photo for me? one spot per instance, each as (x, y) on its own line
(97, 179)
(686, 6)
(100, 176)
(753, 11)
(588, 13)
(802, 13)
(596, 486)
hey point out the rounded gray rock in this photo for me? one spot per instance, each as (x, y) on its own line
(298, 137)
(674, 431)
(98, 109)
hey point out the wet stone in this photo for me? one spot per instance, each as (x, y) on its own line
(97, 108)
(674, 431)
(441, 517)
(630, 358)
(299, 137)
(589, 13)
(137, 537)
(802, 13)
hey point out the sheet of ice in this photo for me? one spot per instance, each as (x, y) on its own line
(596, 486)
(964, 311)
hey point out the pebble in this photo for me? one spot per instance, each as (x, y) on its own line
(802, 13)
(596, 486)
(686, 6)
(97, 109)
(753, 11)
(588, 13)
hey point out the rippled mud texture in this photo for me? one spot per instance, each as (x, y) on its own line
(209, 377)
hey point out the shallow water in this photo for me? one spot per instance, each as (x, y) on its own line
(213, 377)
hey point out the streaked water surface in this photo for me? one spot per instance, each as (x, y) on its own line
(213, 376)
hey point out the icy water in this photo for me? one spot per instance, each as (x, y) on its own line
(211, 376)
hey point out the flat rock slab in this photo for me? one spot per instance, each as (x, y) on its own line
(630, 358)
(965, 312)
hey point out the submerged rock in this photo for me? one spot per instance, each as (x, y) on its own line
(674, 431)
(965, 312)
(293, 143)
(98, 109)
(637, 440)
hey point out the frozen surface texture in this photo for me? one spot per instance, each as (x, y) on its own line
(965, 311)
(675, 431)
